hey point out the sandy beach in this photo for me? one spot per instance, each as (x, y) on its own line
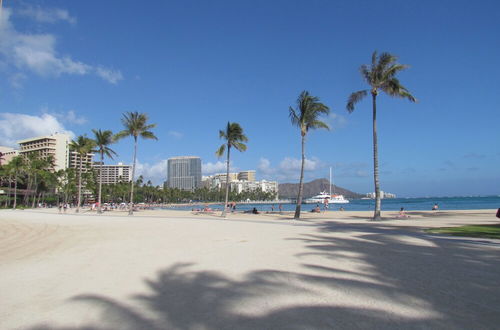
(179, 270)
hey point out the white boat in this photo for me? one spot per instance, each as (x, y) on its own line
(332, 199)
(320, 199)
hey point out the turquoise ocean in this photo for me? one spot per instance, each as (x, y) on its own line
(393, 204)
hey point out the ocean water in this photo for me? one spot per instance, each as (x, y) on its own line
(410, 204)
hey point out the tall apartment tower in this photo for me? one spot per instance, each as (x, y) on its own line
(184, 172)
(55, 145)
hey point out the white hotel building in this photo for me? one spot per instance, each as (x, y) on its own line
(113, 173)
(56, 145)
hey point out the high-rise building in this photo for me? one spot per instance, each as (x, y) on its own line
(184, 172)
(247, 176)
(6, 155)
(113, 173)
(74, 160)
(55, 145)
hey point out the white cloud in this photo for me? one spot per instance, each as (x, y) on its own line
(288, 168)
(73, 118)
(292, 164)
(16, 126)
(212, 168)
(47, 15)
(68, 117)
(36, 52)
(157, 172)
(264, 167)
(336, 121)
(111, 76)
(176, 135)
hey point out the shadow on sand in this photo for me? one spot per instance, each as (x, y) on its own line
(457, 281)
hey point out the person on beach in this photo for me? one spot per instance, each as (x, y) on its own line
(498, 213)
(402, 213)
(281, 208)
(341, 209)
(325, 202)
(253, 211)
(435, 207)
(60, 208)
(316, 209)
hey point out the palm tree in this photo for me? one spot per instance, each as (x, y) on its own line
(381, 76)
(305, 117)
(102, 142)
(82, 146)
(16, 166)
(233, 135)
(135, 125)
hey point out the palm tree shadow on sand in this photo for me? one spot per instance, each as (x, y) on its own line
(179, 297)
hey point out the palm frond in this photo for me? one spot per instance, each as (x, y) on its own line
(221, 150)
(366, 73)
(374, 59)
(293, 117)
(355, 98)
(308, 109)
(318, 124)
(239, 146)
(122, 134)
(394, 88)
(109, 153)
(148, 135)
(234, 137)
(384, 60)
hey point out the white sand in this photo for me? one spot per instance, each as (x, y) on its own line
(176, 270)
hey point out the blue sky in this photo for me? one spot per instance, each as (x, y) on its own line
(194, 65)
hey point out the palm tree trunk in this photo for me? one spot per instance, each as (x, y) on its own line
(26, 196)
(301, 181)
(34, 192)
(227, 181)
(15, 191)
(7, 201)
(79, 185)
(99, 208)
(376, 215)
(131, 209)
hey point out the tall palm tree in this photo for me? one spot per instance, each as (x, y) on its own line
(380, 76)
(305, 117)
(102, 141)
(234, 137)
(136, 126)
(82, 145)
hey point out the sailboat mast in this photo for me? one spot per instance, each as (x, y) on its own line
(330, 185)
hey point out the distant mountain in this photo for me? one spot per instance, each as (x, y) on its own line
(290, 190)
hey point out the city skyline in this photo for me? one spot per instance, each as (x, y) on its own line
(193, 67)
